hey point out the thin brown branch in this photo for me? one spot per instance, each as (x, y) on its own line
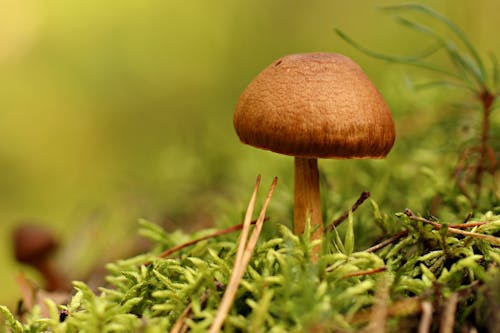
(365, 272)
(365, 195)
(488, 238)
(467, 225)
(180, 324)
(217, 233)
(395, 237)
(468, 217)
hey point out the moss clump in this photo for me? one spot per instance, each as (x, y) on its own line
(283, 291)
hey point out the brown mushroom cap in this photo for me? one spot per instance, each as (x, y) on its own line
(32, 243)
(315, 105)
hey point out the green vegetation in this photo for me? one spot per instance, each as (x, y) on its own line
(379, 270)
(283, 291)
(477, 162)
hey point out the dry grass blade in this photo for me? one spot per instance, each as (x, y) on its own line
(242, 243)
(426, 319)
(245, 249)
(258, 227)
(448, 318)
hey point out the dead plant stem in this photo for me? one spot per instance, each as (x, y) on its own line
(392, 239)
(488, 238)
(243, 255)
(365, 195)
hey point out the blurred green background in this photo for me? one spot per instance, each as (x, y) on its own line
(112, 111)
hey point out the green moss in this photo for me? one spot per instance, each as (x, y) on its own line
(282, 290)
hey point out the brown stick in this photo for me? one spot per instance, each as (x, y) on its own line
(180, 324)
(468, 217)
(365, 272)
(404, 233)
(388, 241)
(491, 239)
(179, 247)
(341, 218)
(467, 225)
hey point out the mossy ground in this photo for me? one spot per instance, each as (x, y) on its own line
(283, 290)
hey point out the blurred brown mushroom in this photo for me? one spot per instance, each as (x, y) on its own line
(34, 246)
(314, 105)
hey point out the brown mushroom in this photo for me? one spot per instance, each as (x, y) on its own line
(314, 105)
(34, 246)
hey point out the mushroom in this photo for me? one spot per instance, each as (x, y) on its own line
(310, 106)
(34, 246)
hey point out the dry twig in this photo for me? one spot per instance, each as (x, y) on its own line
(488, 238)
(365, 272)
(217, 233)
(467, 225)
(180, 325)
(341, 218)
(388, 241)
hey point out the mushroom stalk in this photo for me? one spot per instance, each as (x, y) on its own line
(307, 197)
(54, 280)
(33, 246)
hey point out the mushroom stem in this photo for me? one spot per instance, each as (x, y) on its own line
(54, 280)
(307, 197)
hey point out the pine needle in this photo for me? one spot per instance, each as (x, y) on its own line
(426, 319)
(243, 255)
(448, 317)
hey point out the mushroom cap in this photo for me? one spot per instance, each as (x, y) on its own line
(33, 243)
(315, 105)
